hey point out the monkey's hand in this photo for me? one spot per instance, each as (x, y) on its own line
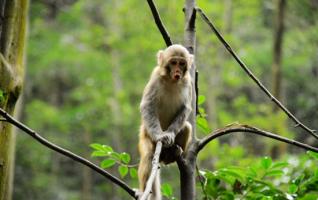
(167, 138)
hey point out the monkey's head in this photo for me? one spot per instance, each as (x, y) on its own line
(174, 61)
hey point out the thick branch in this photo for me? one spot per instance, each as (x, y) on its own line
(253, 77)
(159, 23)
(67, 153)
(249, 129)
(154, 170)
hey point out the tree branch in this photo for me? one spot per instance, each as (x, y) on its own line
(155, 167)
(253, 77)
(249, 129)
(159, 23)
(67, 153)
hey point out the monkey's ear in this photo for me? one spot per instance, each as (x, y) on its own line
(160, 57)
(191, 59)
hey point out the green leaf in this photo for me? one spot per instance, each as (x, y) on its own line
(98, 154)
(201, 99)
(292, 188)
(123, 170)
(166, 190)
(266, 162)
(274, 172)
(251, 172)
(107, 163)
(279, 165)
(313, 154)
(228, 172)
(202, 124)
(125, 157)
(133, 172)
(116, 156)
(101, 147)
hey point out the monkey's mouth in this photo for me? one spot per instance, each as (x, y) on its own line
(177, 77)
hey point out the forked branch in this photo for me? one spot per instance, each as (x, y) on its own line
(66, 153)
(253, 77)
(154, 170)
(159, 23)
(239, 128)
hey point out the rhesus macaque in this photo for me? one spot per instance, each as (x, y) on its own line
(165, 107)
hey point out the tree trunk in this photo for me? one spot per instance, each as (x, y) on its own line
(276, 68)
(187, 164)
(277, 50)
(12, 45)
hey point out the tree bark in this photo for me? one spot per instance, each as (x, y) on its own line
(187, 162)
(12, 45)
(277, 50)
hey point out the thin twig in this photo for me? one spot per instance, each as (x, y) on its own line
(155, 168)
(67, 153)
(253, 77)
(196, 79)
(201, 182)
(239, 128)
(159, 23)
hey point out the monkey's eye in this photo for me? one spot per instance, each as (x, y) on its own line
(173, 62)
(182, 63)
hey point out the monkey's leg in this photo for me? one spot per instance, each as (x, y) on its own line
(184, 136)
(146, 154)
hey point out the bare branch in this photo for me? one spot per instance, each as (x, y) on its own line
(155, 167)
(159, 23)
(239, 128)
(253, 77)
(67, 153)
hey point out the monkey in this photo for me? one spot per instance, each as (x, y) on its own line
(165, 107)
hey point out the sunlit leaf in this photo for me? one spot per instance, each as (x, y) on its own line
(133, 172)
(266, 162)
(98, 154)
(201, 99)
(166, 190)
(107, 163)
(274, 172)
(125, 157)
(313, 154)
(279, 165)
(292, 188)
(123, 170)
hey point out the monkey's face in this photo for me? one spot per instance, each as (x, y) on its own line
(176, 68)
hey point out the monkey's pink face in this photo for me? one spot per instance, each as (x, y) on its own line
(176, 68)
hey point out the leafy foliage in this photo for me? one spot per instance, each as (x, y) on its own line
(112, 158)
(264, 180)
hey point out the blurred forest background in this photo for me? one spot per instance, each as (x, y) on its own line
(88, 62)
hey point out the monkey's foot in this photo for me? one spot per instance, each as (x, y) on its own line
(138, 193)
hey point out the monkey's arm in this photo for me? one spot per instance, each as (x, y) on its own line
(149, 113)
(179, 120)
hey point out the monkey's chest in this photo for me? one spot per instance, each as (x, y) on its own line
(170, 103)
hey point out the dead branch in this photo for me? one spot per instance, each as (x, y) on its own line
(66, 153)
(253, 77)
(159, 23)
(154, 170)
(239, 128)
